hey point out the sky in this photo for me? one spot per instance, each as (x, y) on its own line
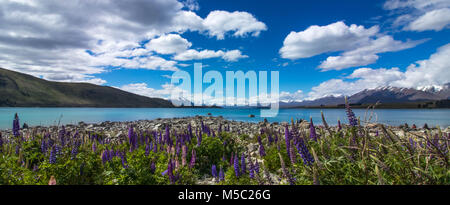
(320, 48)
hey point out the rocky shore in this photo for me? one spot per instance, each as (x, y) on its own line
(119, 129)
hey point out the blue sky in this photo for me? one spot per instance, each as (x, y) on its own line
(373, 43)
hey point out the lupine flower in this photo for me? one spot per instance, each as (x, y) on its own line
(17, 149)
(214, 171)
(104, 156)
(292, 155)
(221, 175)
(167, 136)
(236, 166)
(339, 125)
(243, 166)
(43, 146)
(251, 172)
(155, 147)
(285, 171)
(287, 136)
(262, 151)
(147, 150)
(183, 155)
(256, 167)
(351, 116)
(270, 139)
(199, 139)
(74, 152)
(304, 153)
(193, 158)
(16, 126)
(52, 158)
(124, 160)
(312, 130)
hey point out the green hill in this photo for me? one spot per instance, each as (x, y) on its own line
(21, 90)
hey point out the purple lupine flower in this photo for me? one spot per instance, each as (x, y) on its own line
(193, 158)
(147, 150)
(292, 155)
(61, 135)
(52, 158)
(155, 147)
(167, 136)
(236, 166)
(269, 138)
(199, 139)
(190, 130)
(214, 171)
(351, 116)
(221, 175)
(251, 172)
(256, 167)
(17, 149)
(339, 125)
(74, 151)
(312, 130)
(43, 146)
(104, 156)
(123, 157)
(16, 126)
(304, 153)
(262, 151)
(243, 166)
(285, 171)
(287, 137)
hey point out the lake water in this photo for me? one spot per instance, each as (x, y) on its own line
(51, 116)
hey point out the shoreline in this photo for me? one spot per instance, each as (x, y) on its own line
(119, 128)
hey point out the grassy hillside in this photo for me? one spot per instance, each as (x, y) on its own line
(21, 90)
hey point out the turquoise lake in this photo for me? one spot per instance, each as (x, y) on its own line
(51, 116)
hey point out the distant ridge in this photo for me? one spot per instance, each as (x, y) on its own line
(22, 90)
(438, 96)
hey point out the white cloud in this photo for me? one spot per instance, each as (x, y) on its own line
(316, 40)
(191, 54)
(420, 15)
(366, 55)
(433, 20)
(360, 45)
(217, 23)
(168, 44)
(48, 37)
(290, 97)
(433, 71)
(429, 72)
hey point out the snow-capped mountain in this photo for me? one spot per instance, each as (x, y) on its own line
(386, 94)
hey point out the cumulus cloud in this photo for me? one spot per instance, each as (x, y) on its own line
(49, 37)
(359, 45)
(366, 55)
(421, 15)
(434, 20)
(168, 44)
(429, 72)
(217, 23)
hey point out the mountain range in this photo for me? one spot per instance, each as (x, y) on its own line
(22, 90)
(384, 95)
